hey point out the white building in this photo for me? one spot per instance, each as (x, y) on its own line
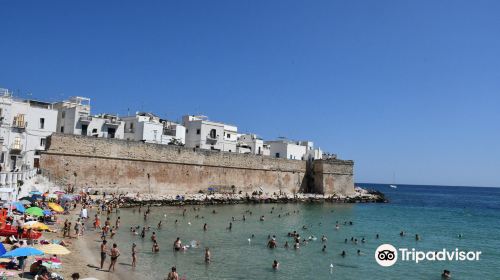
(298, 150)
(149, 128)
(74, 118)
(25, 125)
(252, 144)
(204, 134)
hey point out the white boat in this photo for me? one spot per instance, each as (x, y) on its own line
(393, 186)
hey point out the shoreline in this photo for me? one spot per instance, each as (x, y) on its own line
(360, 196)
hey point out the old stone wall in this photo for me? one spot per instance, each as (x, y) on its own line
(333, 176)
(126, 166)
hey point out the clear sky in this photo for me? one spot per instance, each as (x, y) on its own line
(410, 87)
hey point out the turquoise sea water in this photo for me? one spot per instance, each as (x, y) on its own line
(437, 214)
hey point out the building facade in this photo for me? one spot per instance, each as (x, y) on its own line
(149, 128)
(25, 125)
(74, 118)
(252, 144)
(204, 134)
(297, 150)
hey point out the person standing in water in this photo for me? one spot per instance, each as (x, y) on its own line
(172, 275)
(104, 250)
(134, 254)
(177, 244)
(207, 255)
(115, 253)
(276, 265)
(156, 247)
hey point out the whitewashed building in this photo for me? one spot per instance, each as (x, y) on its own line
(74, 118)
(252, 144)
(25, 125)
(298, 150)
(204, 134)
(149, 128)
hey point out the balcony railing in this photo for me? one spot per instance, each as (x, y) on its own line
(85, 119)
(211, 139)
(112, 122)
(16, 149)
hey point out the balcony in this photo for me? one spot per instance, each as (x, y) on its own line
(211, 139)
(16, 149)
(85, 119)
(112, 123)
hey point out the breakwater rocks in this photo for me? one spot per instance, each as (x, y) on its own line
(361, 196)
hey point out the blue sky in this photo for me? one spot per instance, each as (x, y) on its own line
(410, 87)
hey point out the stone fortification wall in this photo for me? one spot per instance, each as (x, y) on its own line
(126, 166)
(333, 176)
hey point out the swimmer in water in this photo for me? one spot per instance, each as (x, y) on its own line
(207, 255)
(276, 264)
(446, 274)
(343, 254)
(324, 248)
(178, 244)
(156, 247)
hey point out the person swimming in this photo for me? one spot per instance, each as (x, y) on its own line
(324, 248)
(156, 247)
(343, 254)
(207, 255)
(446, 274)
(276, 264)
(177, 244)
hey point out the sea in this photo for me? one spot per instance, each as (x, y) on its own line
(444, 217)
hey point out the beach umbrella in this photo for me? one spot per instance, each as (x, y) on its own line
(19, 206)
(6, 205)
(34, 211)
(25, 202)
(47, 213)
(35, 193)
(68, 197)
(54, 249)
(56, 207)
(27, 198)
(36, 225)
(2, 249)
(22, 252)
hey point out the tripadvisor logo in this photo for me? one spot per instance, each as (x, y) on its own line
(387, 255)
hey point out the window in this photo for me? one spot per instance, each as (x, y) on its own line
(62, 129)
(213, 133)
(197, 146)
(198, 131)
(229, 150)
(42, 123)
(228, 135)
(42, 142)
(277, 155)
(17, 143)
(187, 131)
(2, 157)
(63, 114)
(94, 132)
(291, 157)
